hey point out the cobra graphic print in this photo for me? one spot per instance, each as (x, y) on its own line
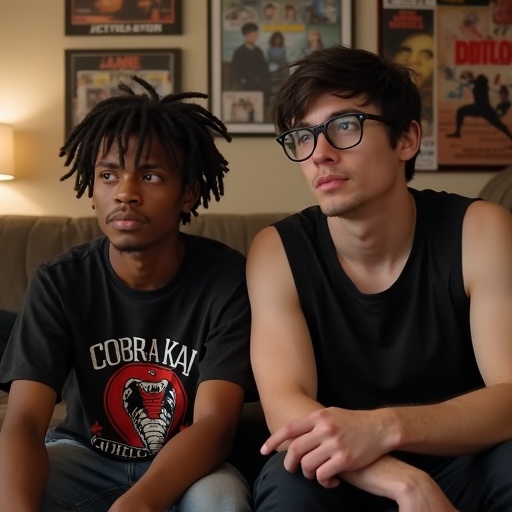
(146, 404)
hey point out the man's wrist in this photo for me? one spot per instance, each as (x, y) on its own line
(390, 427)
(411, 480)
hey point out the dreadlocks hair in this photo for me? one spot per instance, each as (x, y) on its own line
(179, 125)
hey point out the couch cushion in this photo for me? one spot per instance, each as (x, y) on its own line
(7, 319)
(235, 230)
(27, 241)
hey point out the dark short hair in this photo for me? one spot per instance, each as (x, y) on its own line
(349, 73)
(185, 129)
(249, 27)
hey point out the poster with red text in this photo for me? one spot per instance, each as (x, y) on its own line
(94, 75)
(474, 83)
(407, 38)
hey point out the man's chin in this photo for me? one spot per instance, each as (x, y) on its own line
(345, 209)
(128, 248)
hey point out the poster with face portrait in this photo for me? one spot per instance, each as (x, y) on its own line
(407, 38)
(253, 43)
(475, 83)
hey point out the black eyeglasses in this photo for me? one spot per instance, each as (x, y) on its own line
(342, 132)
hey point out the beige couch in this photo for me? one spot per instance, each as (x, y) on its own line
(26, 241)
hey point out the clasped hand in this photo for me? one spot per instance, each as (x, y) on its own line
(330, 441)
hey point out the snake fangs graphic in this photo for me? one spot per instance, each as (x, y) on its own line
(151, 407)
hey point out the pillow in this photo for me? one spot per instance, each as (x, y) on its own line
(7, 319)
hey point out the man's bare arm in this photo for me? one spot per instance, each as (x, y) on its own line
(483, 418)
(23, 458)
(193, 453)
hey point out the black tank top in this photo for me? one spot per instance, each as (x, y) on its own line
(409, 344)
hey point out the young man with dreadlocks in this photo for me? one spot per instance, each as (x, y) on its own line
(151, 325)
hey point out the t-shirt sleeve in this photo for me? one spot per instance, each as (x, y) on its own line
(37, 348)
(226, 351)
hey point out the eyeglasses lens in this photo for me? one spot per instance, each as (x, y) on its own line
(342, 132)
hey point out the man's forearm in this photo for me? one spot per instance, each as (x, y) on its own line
(387, 477)
(195, 452)
(410, 487)
(24, 469)
(467, 424)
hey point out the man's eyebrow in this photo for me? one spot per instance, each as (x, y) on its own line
(351, 110)
(158, 163)
(107, 164)
(116, 165)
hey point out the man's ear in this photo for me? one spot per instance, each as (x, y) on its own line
(409, 144)
(191, 197)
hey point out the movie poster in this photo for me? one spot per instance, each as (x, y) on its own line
(94, 75)
(122, 17)
(407, 37)
(475, 82)
(253, 44)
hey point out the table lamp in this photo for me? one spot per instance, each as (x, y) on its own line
(6, 152)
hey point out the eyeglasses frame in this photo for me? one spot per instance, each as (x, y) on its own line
(322, 128)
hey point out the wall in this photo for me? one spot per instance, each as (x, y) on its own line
(32, 44)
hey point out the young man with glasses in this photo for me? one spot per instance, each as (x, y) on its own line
(381, 318)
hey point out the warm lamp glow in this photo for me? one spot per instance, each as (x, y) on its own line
(6, 152)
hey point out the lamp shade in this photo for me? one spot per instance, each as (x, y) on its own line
(6, 152)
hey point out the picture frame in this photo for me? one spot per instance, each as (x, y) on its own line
(404, 26)
(94, 75)
(244, 81)
(468, 99)
(123, 17)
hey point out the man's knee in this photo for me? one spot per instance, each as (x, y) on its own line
(497, 465)
(278, 489)
(225, 489)
(480, 482)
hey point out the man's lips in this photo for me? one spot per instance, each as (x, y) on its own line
(329, 182)
(125, 220)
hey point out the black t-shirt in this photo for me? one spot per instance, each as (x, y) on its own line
(135, 357)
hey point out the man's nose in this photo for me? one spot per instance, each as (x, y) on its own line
(128, 190)
(324, 150)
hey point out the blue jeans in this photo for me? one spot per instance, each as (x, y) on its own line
(83, 480)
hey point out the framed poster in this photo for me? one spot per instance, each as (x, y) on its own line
(475, 83)
(465, 47)
(123, 17)
(252, 43)
(93, 75)
(406, 37)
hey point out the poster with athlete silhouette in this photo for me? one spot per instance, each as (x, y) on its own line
(406, 36)
(474, 85)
